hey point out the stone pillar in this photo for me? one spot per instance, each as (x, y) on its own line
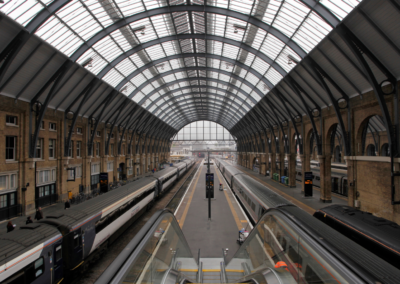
(263, 162)
(273, 163)
(303, 159)
(280, 157)
(325, 174)
(292, 169)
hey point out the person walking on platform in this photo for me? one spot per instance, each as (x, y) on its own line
(10, 227)
(67, 205)
(39, 214)
(28, 220)
(220, 187)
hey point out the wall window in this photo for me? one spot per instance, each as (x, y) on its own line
(11, 120)
(79, 130)
(52, 126)
(130, 171)
(71, 174)
(46, 176)
(42, 125)
(78, 148)
(39, 148)
(123, 149)
(11, 148)
(3, 201)
(112, 150)
(78, 171)
(8, 181)
(98, 133)
(95, 169)
(112, 135)
(110, 166)
(98, 149)
(71, 148)
(52, 148)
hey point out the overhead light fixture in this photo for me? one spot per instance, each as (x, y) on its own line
(227, 64)
(88, 62)
(124, 89)
(292, 60)
(161, 66)
(239, 27)
(140, 29)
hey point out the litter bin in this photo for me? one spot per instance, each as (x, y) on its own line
(287, 180)
(283, 179)
(274, 176)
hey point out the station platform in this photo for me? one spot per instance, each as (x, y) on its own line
(227, 218)
(294, 195)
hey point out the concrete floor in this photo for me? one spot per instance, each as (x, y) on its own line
(226, 218)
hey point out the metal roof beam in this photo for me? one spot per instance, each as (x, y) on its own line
(187, 8)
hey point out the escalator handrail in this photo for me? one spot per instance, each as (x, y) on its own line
(142, 236)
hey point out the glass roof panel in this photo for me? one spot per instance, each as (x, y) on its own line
(79, 20)
(340, 7)
(21, 10)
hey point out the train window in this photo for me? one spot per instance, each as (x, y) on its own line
(76, 240)
(311, 276)
(294, 256)
(39, 267)
(58, 254)
(38, 263)
(16, 279)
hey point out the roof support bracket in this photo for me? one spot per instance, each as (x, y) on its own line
(105, 103)
(321, 76)
(298, 90)
(40, 108)
(86, 94)
(381, 89)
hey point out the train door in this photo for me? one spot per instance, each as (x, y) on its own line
(76, 248)
(344, 188)
(335, 184)
(58, 263)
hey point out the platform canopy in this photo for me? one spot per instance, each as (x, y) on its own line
(215, 60)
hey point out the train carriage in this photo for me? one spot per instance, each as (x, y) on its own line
(53, 248)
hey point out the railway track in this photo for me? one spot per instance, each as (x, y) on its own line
(170, 198)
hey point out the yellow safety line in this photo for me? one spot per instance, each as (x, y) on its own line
(287, 196)
(234, 270)
(211, 270)
(243, 221)
(77, 265)
(182, 220)
(189, 270)
(235, 216)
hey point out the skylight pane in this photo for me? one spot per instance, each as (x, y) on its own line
(113, 77)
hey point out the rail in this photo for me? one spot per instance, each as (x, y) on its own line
(176, 198)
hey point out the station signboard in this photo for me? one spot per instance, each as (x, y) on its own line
(308, 184)
(209, 185)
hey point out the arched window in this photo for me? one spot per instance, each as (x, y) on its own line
(203, 130)
(385, 150)
(338, 155)
(371, 150)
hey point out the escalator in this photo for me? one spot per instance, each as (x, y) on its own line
(276, 251)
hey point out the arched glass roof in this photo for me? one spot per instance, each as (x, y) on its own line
(185, 59)
(203, 130)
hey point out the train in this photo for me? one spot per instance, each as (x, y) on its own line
(378, 235)
(338, 176)
(56, 247)
(316, 239)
